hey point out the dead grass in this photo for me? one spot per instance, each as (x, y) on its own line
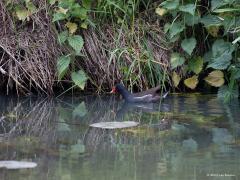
(114, 55)
(28, 51)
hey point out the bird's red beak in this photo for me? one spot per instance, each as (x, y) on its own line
(114, 90)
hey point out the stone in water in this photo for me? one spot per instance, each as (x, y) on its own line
(115, 124)
(17, 164)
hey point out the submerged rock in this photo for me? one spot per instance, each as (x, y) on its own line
(115, 124)
(17, 164)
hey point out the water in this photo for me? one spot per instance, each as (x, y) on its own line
(184, 137)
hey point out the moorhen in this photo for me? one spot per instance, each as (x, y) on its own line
(150, 95)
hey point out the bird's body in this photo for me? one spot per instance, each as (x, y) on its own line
(150, 95)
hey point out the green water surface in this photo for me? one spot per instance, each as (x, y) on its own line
(184, 137)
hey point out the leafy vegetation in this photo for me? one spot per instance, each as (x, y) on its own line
(208, 35)
(142, 43)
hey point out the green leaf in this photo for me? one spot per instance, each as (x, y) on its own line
(176, 79)
(215, 78)
(221, 54)
(188, 8)
(79, 12)
(170, 4)
(62, 66)
(208, 56)
(221, 62)
(166, 27)
(87, 3)
(188, 45)
(191, 82)
(52, 2)
(22, 13)
(235, 73)
(220, 47)
(176, 28)
(80, 110)
(62, 37)
(79, 78)
(59, 17)
(31, 7)
(176, 60)
(72, 27)
(66, 3)
(211, 20)
(223, 10)
(196, 65)
(226, 93)
(76, 42)
(217, 3)
(191, 20)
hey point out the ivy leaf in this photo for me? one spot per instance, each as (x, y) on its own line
(76, 42)
(62, 37)
(191, 82)
(170, 4)
(176, 60)
(58, 17)
(188, 8)
(176, 28)
(176, 79)
(188, 45)
(160, 11)
(62, 66)
(79, 78)
(72, 27)
(215, 78)
(195, 65)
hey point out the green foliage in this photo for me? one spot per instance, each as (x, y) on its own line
(189, 8)
(71, 13)
(176, 60)
(79, 78)
(195, 65)
(62, 66)
(76, 42)
(188, 45)
(175, 29)
(221, 54)
(218, 35)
